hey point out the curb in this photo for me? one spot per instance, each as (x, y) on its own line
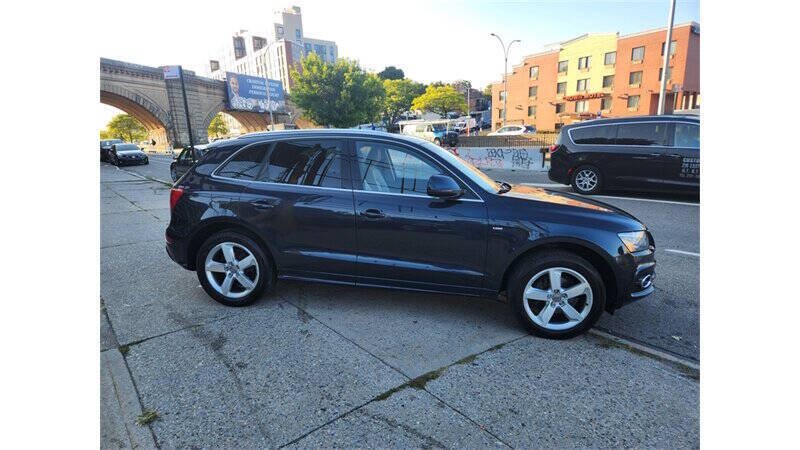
(145, 177)
(112, 365)
(686, 364)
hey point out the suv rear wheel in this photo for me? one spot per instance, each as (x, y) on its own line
(233, 269)
(587, 180)
(556, 294)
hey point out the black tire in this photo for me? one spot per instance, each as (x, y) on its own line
(114, 160)
(587, 170)
(437, 141)
(535, 264)
(266, 272)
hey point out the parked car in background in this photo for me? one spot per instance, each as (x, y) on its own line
(648, 153)
(435, 132)
(366, 208)
(121, 154)
(514, 130)
(188, 156)
(105, 147)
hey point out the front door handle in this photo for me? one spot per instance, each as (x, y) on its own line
(655, 154)
(373, 214)
(675, 155)
(262, 204)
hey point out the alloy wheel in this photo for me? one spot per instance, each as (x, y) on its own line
(557, 298)
(232, 270)
(586, 180)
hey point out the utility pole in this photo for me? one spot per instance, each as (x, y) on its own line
(186, 109)
(505, 74)
(667, 47)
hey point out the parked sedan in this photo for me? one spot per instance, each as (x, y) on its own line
(121, 154)
(514, 130)
(649, 153)
(105, 147)
(375, 209)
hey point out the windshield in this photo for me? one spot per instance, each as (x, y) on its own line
(438, 127)
(127, 147)
(478, 177)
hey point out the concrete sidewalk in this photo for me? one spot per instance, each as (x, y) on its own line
(333, 366)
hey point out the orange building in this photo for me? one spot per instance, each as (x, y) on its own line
(601, 74)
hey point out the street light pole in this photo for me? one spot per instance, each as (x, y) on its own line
(505, 74)
(667, 47)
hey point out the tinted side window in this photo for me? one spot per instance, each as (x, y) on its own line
(246, 164)
(651, 133)
(385, 168)
(687, 135)
(602, 135)
(309, 163)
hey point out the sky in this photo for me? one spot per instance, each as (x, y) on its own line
(433, 40)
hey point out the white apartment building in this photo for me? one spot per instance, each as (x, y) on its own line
(270, 54)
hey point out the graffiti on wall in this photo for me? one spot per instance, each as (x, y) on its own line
(517, 158)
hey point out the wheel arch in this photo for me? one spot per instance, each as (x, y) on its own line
(218, 224)
(587, 250)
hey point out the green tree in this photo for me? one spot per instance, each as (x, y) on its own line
(391, 73)
(218, 126)
(339, 94)
(105, 134)
(127, 128)
(487, 91)
(440, 100)
(399, 96)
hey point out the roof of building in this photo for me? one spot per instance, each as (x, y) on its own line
(656, 30)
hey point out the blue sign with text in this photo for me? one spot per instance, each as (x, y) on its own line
(249, 93)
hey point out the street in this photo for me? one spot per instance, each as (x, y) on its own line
(316, 365)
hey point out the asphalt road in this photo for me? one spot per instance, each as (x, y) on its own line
(670, 318)
(315, 365)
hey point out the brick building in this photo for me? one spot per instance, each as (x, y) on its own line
(601, 74)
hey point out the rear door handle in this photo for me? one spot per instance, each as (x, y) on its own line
(655, 154)
(373, 214)
(675, 155)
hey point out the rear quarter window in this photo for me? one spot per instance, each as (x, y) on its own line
(595, 135)
(246, 164)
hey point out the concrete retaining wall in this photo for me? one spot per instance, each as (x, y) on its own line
(516, 158)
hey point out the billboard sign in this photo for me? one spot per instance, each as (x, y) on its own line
(249, 93)
(172, 72)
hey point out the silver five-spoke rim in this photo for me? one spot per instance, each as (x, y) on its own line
(557, 298)
(232, 270)
(586, 180)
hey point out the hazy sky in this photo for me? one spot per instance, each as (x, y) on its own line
(430, 40)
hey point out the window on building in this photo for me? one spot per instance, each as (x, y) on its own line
(673, 47)
(608, 81)
(605, 103)
(532, 91)
(602, 135)
(502, 95)
(687, 135)
(214, 65)
(259, 43)
(633, 102)
(583, 85)
(649, 133)
(534, 72)
(308, 163)
(333, 54)
(637, 54)
(384, 168)
(661, 72)
(635, 78)
(297, 34)
(307, 47)
(611, 58)
(562, 66)
(238, 47)
(560, 107)
(585, 62)
(532, 111)
(246, 164)
(561, 88)
(279, 31)
(502, 113)
(581, 106)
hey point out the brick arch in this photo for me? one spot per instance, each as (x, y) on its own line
(156, 121)
(249, 121)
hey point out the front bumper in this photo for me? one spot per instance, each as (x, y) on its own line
(126, 161)
(640, 282)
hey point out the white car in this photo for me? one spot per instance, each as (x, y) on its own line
(514, 130)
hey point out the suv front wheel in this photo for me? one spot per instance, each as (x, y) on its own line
(557, 294)
(233, 269)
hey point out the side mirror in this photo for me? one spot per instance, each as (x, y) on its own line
(443, 186)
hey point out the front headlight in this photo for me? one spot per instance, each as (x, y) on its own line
(635, 241)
